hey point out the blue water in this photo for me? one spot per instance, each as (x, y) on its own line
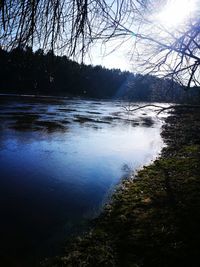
(55, 179)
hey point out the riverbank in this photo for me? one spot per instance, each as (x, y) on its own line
(153, 219)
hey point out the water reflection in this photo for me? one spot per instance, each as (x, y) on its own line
(58, 161)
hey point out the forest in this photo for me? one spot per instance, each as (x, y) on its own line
(26, 72)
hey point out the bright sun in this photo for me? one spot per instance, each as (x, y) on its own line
(176, 12)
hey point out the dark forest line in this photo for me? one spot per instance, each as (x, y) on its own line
(26, 72)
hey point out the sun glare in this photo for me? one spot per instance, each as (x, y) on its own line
(176, 12)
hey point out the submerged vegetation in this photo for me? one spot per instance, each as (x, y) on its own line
(33, 117)
(153, 218)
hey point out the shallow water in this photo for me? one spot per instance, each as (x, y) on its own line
(59, 161)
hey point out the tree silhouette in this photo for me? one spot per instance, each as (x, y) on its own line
(59, 24)
(72, 26)
(37, 73)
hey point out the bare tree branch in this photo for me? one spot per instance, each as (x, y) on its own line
(73, 26)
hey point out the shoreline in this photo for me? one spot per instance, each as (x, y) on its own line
(153, 219)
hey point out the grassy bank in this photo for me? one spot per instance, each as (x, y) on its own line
(154, 219)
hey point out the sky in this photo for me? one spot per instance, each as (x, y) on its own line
(172, 15)
(105, 56)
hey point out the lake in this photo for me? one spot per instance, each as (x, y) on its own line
(60, 160)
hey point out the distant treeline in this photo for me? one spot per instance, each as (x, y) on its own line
(23, 71)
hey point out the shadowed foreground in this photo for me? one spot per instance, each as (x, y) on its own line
(154, 219)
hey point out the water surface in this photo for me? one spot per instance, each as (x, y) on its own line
(59, 161)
